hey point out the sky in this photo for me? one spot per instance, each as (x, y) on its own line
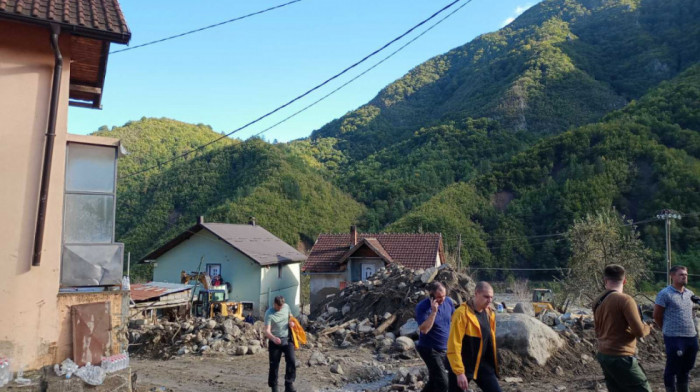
(232, 74)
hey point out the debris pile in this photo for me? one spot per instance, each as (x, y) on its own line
(386, 302)
(165, 339)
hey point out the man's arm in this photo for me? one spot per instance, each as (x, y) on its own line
(637, 327)
(427, 325)
(269, 335)
(659, 315)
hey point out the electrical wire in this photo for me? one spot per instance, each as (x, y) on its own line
(204, 28)
(364, 72)
(186, 153)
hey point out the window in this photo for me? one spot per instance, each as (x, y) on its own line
(90, 256)
(213, 270)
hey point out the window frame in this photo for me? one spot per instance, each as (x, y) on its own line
(67, 192)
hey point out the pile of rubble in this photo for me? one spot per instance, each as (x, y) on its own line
(165, 339)
(385, 303)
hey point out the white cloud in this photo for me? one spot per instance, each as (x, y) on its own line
(507, 21)
(516, 12)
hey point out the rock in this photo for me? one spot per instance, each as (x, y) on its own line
(365, 328)
(401, 286)
(410, 328)
(211, 324)
(241, 350)
(254, 349)
(203, 348)
(559, 371)
(524, 309)
(386, 315)
(337, 369)
(306, 309)
(182, 351)
(527, 336)
(346, 308)
(331, 310)
(429, 275)
(390, 335)
(513, 379)
(586, 358)
(317, 358)
(404, 343)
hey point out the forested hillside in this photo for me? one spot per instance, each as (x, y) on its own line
(576, 106)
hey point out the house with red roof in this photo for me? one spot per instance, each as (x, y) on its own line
(339, 259)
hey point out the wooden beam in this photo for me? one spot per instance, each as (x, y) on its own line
(85, 89)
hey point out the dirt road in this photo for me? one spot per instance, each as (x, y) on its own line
(214, 373)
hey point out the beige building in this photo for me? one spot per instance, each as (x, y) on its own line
(58, 191)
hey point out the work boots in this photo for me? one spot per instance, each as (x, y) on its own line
(683, 387)
(289, 387)
(274, 389)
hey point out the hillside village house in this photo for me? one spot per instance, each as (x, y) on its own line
(256, 265)
(337, 259)
(58, 190)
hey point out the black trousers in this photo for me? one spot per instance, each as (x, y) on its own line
(486, 380)
(437, 364)
(290, 368)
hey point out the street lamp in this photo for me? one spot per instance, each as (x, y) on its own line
(667, 215)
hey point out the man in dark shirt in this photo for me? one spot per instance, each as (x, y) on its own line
(433, 315)
(471, 346)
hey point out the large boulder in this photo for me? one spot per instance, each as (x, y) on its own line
(527, 336)
(524, 309)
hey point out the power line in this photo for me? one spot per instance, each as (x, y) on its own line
(204, 28)
(186, 153)
(364, 72)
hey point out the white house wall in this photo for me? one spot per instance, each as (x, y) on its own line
(236, 268)
(287, 284)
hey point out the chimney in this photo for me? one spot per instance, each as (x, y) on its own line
(353, 235)
(252, 221)
(200, 220)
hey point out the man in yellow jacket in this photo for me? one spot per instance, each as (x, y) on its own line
(471, 346)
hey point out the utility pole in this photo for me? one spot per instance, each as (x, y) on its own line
(667, 215)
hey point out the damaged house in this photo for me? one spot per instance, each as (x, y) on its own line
(255, 265)
(339, 259)
(59, 263)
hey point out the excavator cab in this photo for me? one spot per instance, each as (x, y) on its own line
(542, 300)
(212, 303)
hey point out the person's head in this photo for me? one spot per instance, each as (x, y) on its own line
(437, 291)
(614, 276)
(483, 296)
(279, 302)
(679, 275)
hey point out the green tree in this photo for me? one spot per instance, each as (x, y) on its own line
(601, 239)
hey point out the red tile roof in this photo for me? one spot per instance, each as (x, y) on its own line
(101, 19)
(418, 250)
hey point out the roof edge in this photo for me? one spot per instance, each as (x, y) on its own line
(118, 38)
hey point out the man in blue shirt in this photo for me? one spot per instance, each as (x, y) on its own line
(673, 312)
(434, 315)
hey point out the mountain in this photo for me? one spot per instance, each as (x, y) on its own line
(639, 160)
(576, 106)
(562, 64)
(227, 183)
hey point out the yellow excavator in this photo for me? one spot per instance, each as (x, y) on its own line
(542, 300)
(212, 300)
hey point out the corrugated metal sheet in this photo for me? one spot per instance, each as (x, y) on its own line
(151, 290)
